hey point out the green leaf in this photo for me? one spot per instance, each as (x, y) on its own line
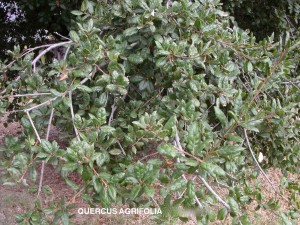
(248, 67)
(112, 192)
(65, 219)
(230, 150)
(86, 173)
(70, 183)
(33, 173)
(84, 88)
(252, 125)
(46, 145)
(222, 214)
(97, 184)
(25, 123)
(135, 59)
(149, 191)
(178, 185)
(220, 115)
(74, 36)
(69, 167)
(135, 192)
(233, 205)
(90, 25)
(213, 169)
(168, 150)
(160, 62)
(234, 138)
(55, 92)
(76, 12)
(171, 123)
(107, 129)
(47, 190)
(130, 31)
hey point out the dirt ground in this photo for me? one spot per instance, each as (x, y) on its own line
(18, 199)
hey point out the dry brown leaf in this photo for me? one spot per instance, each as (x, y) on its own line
(64, 75)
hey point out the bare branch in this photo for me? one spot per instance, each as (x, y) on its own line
(28, 95)
(123, 151)
(62, 36)
(52, 46)
(178, 144)
(43, 162)
(147, 156)
(67, 51)
(34, 128)
(73, 117)
(259, 167)
(113, 109)
(53, 99)
(213, 192)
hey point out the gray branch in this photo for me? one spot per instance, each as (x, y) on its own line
(47, 50)
(213, 192)
(43, 162)
(178, 144)
(259, 167)
(73, 117)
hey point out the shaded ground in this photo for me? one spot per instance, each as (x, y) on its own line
(18, 199)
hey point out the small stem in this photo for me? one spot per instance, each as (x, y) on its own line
(155, 153)
(111, 117)
(47, 50)
(123, 151)
(43, 162)
(213, 192)
(178, 144)
(34, 128)
(53, 99)
(259, 167)
(62, 36)
(34, 94)
(67, 51)
(73, 117)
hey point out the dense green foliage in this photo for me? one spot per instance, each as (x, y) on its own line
(36, 21)
(139, 74)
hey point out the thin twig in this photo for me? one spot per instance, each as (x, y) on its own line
(62, 36)
(123, 151)
(34, 128)
(43, 103)
(78, 193)
(67, 51)
(231, 176)
(147, 156)
(213, 192)
(33, 94)
(111, 117)
(178, 144)
(259, 167)
(47, 50)
(73, 117)
(155, 202)
(53, 99)
(43, 162)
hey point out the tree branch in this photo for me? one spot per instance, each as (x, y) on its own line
(259, 167)
(73, 117)
(43, 162)
(213, 192)
(178, 144)
(47, 50)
